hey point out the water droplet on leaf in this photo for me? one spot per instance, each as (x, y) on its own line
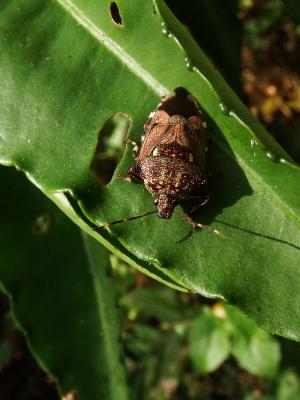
(271, 155)
(165, 30)
(224, 108)
(188, 64)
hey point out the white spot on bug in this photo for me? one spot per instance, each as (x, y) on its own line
(191, 157)
(155, 152)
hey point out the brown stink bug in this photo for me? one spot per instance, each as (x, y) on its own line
(171, 161)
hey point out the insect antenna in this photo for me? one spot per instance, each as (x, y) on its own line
(121, 221)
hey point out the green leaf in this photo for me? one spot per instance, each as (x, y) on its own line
(67, 67)
(209, 342)
(60, 292)
(254, 349)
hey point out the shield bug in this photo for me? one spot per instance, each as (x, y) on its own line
(171, 161)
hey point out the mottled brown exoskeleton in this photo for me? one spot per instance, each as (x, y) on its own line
(171, 161)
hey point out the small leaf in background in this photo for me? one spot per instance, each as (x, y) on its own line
(255, 350)
(142, 339)
(159, 303)
(6, 353)
(293, 8)
(268, 14)
(209, 342)
(288, 387)
(167, 372)
(254, 396)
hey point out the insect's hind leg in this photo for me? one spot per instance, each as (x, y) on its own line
(204, 199)
(197, 225)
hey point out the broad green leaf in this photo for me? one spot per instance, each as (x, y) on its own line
(209, 342)
(66, 68)
(60, 292)
(254, 349)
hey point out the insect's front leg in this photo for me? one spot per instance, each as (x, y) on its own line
(135, 149)
(203, 200)
(134, 171)
(132, 175)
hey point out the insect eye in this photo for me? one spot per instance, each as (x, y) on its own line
(191, 157)
(155, 151)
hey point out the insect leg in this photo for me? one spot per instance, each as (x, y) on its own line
(122, 221)
(197, 225)
(133, 174)
(204, 199)
(135, 149)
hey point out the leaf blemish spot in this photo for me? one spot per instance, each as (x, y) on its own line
(115, 13)
(42, 224)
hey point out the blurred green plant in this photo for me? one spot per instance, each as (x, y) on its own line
(268, 13)
(183, 347)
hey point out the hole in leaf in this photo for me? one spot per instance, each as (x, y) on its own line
(115, 13)
(180, 102)
(110, 147)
